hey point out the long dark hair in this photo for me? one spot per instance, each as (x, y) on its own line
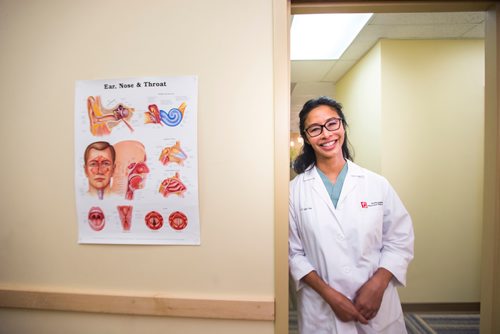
(307, 157)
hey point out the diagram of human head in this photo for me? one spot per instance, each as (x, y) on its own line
(131, 168)
(99, 167)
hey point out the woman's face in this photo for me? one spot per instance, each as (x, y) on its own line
(328, 145)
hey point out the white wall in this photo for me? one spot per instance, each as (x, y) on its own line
(432, 130)
(46, 46)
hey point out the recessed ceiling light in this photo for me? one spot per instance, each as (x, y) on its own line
(324, 36)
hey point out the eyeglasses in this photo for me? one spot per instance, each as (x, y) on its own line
(331, 124)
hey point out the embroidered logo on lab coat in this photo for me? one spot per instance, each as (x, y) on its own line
(365, 205)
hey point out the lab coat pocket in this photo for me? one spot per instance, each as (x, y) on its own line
(369, 226)
(390, 309)
(315, 315)
(309, 222)
(307, 216)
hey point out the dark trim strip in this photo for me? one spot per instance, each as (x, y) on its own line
(441, 307)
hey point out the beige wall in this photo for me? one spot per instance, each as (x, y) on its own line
(432, 130)
(46, 46)
(359, 91)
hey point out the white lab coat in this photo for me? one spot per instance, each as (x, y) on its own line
(370, 228)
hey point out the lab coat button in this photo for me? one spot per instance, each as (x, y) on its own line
(340, 236)
(346, 269)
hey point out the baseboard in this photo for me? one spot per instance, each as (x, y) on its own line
(441, 307)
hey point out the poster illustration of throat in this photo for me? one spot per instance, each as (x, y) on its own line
(136, 168)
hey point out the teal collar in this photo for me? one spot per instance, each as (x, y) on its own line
(334, 190)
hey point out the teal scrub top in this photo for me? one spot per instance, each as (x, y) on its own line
(334, 189)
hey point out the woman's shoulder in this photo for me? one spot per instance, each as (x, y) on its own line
(357, 170)
(299, 179)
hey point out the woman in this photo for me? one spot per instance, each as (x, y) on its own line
(351, 238)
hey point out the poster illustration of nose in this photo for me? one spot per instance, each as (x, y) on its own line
(136, 167)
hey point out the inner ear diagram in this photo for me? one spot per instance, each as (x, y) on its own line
(171, 118)
(103, 120)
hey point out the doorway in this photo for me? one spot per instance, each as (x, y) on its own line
(299, 7)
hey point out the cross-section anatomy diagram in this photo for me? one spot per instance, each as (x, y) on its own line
(173, 154)
(103, 120)
(125, 214)
(172, 185)
(131, 168)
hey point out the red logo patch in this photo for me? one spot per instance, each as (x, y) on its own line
(364, 205)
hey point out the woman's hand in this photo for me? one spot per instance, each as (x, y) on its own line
(369, 296)
(342, 306)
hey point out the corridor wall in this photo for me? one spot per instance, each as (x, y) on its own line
(46, 47)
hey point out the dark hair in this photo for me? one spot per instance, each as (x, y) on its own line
(100, 146)
(307, 157)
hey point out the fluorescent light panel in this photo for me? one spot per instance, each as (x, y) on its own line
(324, 36)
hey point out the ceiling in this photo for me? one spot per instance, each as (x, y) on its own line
(312, 78)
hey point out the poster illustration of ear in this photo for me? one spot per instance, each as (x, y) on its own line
(136, 167)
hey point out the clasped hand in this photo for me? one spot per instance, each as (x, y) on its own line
(367, 301)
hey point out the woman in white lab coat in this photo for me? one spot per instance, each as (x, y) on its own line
(351, 238)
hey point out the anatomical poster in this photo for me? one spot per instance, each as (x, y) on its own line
(136, 168)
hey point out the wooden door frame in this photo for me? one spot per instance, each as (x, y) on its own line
(490, 266)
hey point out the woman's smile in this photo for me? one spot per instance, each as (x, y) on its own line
(328, 144)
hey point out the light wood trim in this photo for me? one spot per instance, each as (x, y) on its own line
(490, 268)
(137, 304)
(281, 66)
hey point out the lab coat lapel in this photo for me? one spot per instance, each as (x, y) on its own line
(354, 176)
(319, 188)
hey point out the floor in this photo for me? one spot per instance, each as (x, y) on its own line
(425, 323)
